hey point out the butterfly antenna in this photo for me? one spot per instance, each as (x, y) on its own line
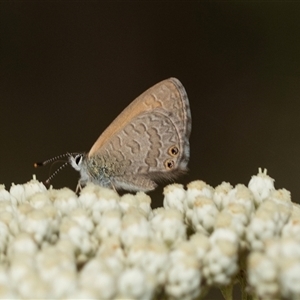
(53, 160)
(46, 162)
(56, 172)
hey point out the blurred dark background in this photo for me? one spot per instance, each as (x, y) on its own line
(68, 69)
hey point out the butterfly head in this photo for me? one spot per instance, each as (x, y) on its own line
(76, 161)
(79, 162)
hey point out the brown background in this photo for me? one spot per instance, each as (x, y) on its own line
(68, 69)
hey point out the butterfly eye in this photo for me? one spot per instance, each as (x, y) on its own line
(173, 151)
(78, 159)
(169, 164)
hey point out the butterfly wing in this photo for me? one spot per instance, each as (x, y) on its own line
(150, 138)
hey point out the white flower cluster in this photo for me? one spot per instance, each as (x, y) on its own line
(99, 245)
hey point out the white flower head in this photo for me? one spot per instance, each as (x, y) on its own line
(290, 278)
(134, 225)
(220, 197)
(107, 200)
(292, 227)
(150, 256)
(282, 198)
(263, 276)
(144, 203)
(63, 284)
(243, 196)
(110, 224)
(54, 217)
(199, 188)
(201, 244)
(167, 226)
(184, 249)
(22, 243)
(7, 217)
(82, 217)
(66, 246)
(99, 245)
(183, 278)
(21, 266)
(39, 200)
(282, 249)
(112, 253)
(234, 217)
(89, 195)
(79, 237)
(261, 185)
(51, 261)
(32, 287)
(4, 194)
(134, 283)
(98, 199)
(196, 189)
(7, 290)
(17, 193)
(275, 272)
(33, 186)
(174, 197)
(263, 225)
(37, 224)
(8, 207)
(139, 202)
(127, 201)
(65, 200)
(22, 210)
(221, 261)
(204, 215)
(97, 278)
(20, 192)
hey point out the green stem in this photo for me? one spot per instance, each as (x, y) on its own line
(227, 292)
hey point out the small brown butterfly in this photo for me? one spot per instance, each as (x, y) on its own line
(148, 141)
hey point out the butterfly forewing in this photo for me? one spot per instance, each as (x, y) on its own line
(151, 136)
(168, 94)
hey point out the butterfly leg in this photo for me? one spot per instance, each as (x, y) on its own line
(78, 188)
(113, 187)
